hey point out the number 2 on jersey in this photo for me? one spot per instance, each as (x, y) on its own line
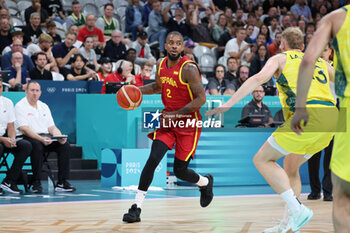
(168, 93)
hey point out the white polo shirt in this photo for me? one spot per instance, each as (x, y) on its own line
(232, 46)
(37, 119)
(7, 114)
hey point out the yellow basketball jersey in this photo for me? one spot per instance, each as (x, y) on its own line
(319, 93)
(342, 57)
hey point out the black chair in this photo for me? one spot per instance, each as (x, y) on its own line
(45, 169)
(4, 168)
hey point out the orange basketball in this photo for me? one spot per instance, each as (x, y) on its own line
(129, 97)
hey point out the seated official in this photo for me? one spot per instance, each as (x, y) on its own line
(39, 72)
(123, 74)
(146, 70)
(256, 107)
(19, 75)
(19, 149)
(242, 76)
(218, 85)
(78, 71)
(105, 68)
(35, 122)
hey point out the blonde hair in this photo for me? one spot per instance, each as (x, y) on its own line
(294, 37)
(44, 38)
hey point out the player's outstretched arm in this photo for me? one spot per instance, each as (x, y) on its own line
(314, 50)
(152, 88)
(191, 75)
(270, 68)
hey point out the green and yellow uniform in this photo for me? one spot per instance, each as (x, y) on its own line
(340, 162)
(320, 105)
(109, 27)
(79, 21)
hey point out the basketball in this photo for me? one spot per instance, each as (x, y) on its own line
(129, 97)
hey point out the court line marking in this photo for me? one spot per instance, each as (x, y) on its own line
(130, 200)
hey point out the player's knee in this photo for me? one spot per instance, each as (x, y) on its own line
(179, 172)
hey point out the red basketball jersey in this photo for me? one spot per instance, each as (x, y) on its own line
(175, 93)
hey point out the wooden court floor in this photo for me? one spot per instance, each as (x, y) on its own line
(225, 214)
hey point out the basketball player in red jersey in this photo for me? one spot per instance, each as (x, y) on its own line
(179, 82)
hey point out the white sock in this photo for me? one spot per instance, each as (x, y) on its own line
(140, 196)
(291, 200)
(203, 181)
(285, 218)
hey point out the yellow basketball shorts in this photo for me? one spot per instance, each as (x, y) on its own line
(340, 160)
(317, 134)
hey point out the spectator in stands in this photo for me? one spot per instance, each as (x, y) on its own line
(250, 30)
(135, 18)
(238, 48)
(257, 107)
(123, 74)
(15, 35)
(74, 29)
(265, 31)
(105, 68)
(143, 51)
(78, 71)
(157, 29)
(261, 39)
(243, 74)
(19, 75)
(147, 9)
(188, 50)
(19, 149)
(146, 69)
(90, 29)
(225, 38)
(40, 72)
(252, 21)
(308, 37)
(218, 85)
(229, 17)
(64, 51)
(232, 66)
(54, 9)
(302, 25)
(106, 23)
(239, 16)
(258, 12)
(51, 28)
(274, 27)
(89, 53)
(35, 122)
(115, 49)
(271, 13)
(201, 28)
(286, 22)
(220, 28)
(5, 35)
(33, 30)
(178, 22)
(131, 57)
(77, 17)
(36, 7)
(274, 48)
(4, 14)
(259, 60)
(97, 47)
(16, 47)
(310, 28)
(300, 8)
(44, 45)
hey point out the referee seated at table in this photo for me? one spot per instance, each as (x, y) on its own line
(19, 148)
(256, 107)
(35, 122)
